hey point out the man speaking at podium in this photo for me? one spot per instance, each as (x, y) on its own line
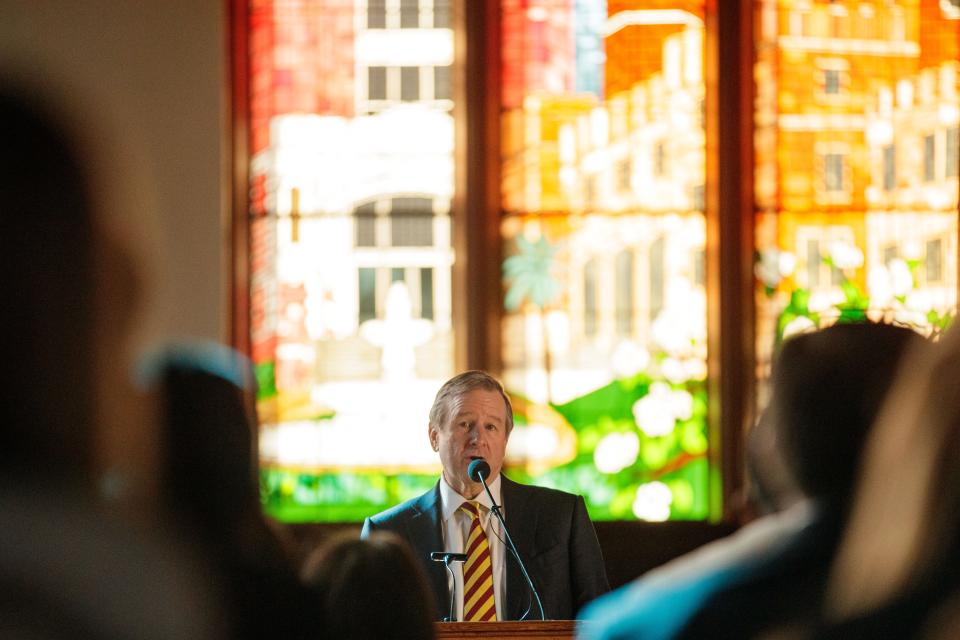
(560, 565)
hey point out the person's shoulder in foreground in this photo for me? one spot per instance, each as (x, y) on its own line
(827, 386)
(659, 604)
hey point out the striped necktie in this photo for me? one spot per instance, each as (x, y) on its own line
(478, 602)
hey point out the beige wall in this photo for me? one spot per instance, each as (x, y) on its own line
(150, 77)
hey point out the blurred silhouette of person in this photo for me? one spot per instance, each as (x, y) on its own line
(370, 588)
(69, 566)
(210, 479)
(827, 387)
(897, 571)
(51, 244)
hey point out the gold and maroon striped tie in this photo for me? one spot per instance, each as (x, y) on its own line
(478, 602)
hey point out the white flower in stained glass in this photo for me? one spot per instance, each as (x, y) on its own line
(681, 326)
(901, 280)
(787, 263)
(846, 255)
(673, 370)
(880, 286)
(629, 359)
(910, 317)
(668, 331)
(774, 265)
(800, 324)
(821, 300)
(616, 452)
(681, 404)
(920, 301)
(536, 442)
(696, 368)
(652, 502)
(654, 412)
(767, 269)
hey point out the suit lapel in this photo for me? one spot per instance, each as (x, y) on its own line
(426, 536)
(521, 521)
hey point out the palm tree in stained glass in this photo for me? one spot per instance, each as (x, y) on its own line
(529, 275)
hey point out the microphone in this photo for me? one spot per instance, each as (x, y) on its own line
(446, 557)
(479, 470)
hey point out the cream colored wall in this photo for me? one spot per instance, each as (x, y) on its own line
(149, 78)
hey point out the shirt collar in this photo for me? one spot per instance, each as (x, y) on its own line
(450, 500)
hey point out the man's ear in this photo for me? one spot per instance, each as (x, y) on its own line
(434, 437)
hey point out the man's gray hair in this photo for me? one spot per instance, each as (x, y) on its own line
(460, 385)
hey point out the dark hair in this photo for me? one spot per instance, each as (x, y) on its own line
(370, 589)
(48, 242)
(462, 384)
(208, 435)
(827, 388)
(209, 479)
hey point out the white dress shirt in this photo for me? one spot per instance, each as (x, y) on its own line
(456, 526)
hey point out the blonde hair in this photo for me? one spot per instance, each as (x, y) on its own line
(460, 385)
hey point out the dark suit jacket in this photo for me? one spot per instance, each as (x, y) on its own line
(553, 535)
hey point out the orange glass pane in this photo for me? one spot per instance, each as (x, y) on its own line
(856, 181)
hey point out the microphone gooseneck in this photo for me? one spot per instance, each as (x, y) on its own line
(479, 470)
(446, 557)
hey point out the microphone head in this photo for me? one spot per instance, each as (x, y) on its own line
(478, 468)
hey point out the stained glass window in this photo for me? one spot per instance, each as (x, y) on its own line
(604, 335)
(855, 181)
(352, 175)
(603, 197)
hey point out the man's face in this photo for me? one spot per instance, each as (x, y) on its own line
(476, 426)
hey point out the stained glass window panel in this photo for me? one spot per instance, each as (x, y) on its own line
(604, 332)
(885, 222)
(352, 179)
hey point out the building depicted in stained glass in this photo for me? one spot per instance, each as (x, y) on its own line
(603, 195)
(353, 159)
(539, 50)
(603, 183)
(856, 102)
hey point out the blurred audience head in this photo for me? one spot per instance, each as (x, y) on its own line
(49, 245)
(208, 432)
(904, 533)
(64, 277)
(369, 589)
(68, 567)
(209, 479)
(768, 487)
(826, 389)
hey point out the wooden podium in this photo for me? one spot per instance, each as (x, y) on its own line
(553, 629)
